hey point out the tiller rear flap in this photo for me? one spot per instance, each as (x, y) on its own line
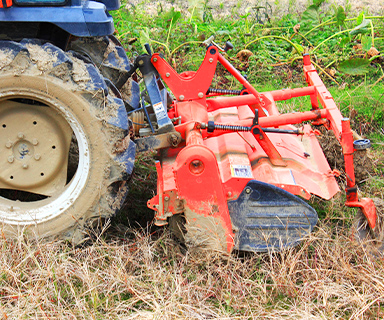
(233, 166)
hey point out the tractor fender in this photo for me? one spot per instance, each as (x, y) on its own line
(89, 20)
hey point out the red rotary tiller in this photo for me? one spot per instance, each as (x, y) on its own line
(233, 167)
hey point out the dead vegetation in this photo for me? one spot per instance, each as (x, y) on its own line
(125, 275)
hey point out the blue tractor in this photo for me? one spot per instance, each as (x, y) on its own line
(65, 89)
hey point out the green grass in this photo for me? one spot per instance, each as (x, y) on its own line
(275, 63)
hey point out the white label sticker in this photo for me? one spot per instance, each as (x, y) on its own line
(240, 171)
(159, 110)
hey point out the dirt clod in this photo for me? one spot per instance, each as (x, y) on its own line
(244, 55)
(373, 52)
(5, 58)
(363, 160)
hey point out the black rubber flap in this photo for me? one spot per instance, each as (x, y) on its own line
(265, 218)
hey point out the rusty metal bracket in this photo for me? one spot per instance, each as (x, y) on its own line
(160, 141)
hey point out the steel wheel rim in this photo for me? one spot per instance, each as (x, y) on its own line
(19, 213)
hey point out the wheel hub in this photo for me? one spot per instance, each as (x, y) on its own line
(34, 147)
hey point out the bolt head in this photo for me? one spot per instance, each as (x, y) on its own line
(181, 97)
(25, 166)
(154, 59)
(200, 95)
(166, 198)
(210, 60)
(167, 74)
(37, 156)
(8, 144)
(248, 190)
(11, 159)
(20, 135)
(35, 142)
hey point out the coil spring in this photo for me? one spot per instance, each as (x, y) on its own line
(223, 91)
(226, 127)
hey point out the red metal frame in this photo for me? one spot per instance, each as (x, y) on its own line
(206, 161)
(5, 3)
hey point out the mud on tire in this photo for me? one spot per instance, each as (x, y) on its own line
(109, 56)
(49, 98)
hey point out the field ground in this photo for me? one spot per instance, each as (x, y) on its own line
(133, 270)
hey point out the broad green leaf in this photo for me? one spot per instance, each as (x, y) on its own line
(144, 37)
(366, 42)
(176, 16)
(318, 3)
(360, 18)
(344, 41)
(340, 16)
(172, 16)
(310, 15)
(299, 47)
(196, 8)
(362, 28)
(354, 66)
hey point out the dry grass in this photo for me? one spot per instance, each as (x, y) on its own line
(136, 276)
(140, 274)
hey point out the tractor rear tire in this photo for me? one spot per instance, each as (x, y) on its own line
(49, 98)
(108, 55)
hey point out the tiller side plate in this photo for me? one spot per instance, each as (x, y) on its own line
(267, 218)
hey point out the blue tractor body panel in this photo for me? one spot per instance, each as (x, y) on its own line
(81, 19)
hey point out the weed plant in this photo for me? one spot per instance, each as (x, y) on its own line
(345, 49)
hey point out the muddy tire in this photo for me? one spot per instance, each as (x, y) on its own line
(109, 56)
(51, 102)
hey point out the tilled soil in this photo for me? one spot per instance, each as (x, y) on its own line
(363, 161)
